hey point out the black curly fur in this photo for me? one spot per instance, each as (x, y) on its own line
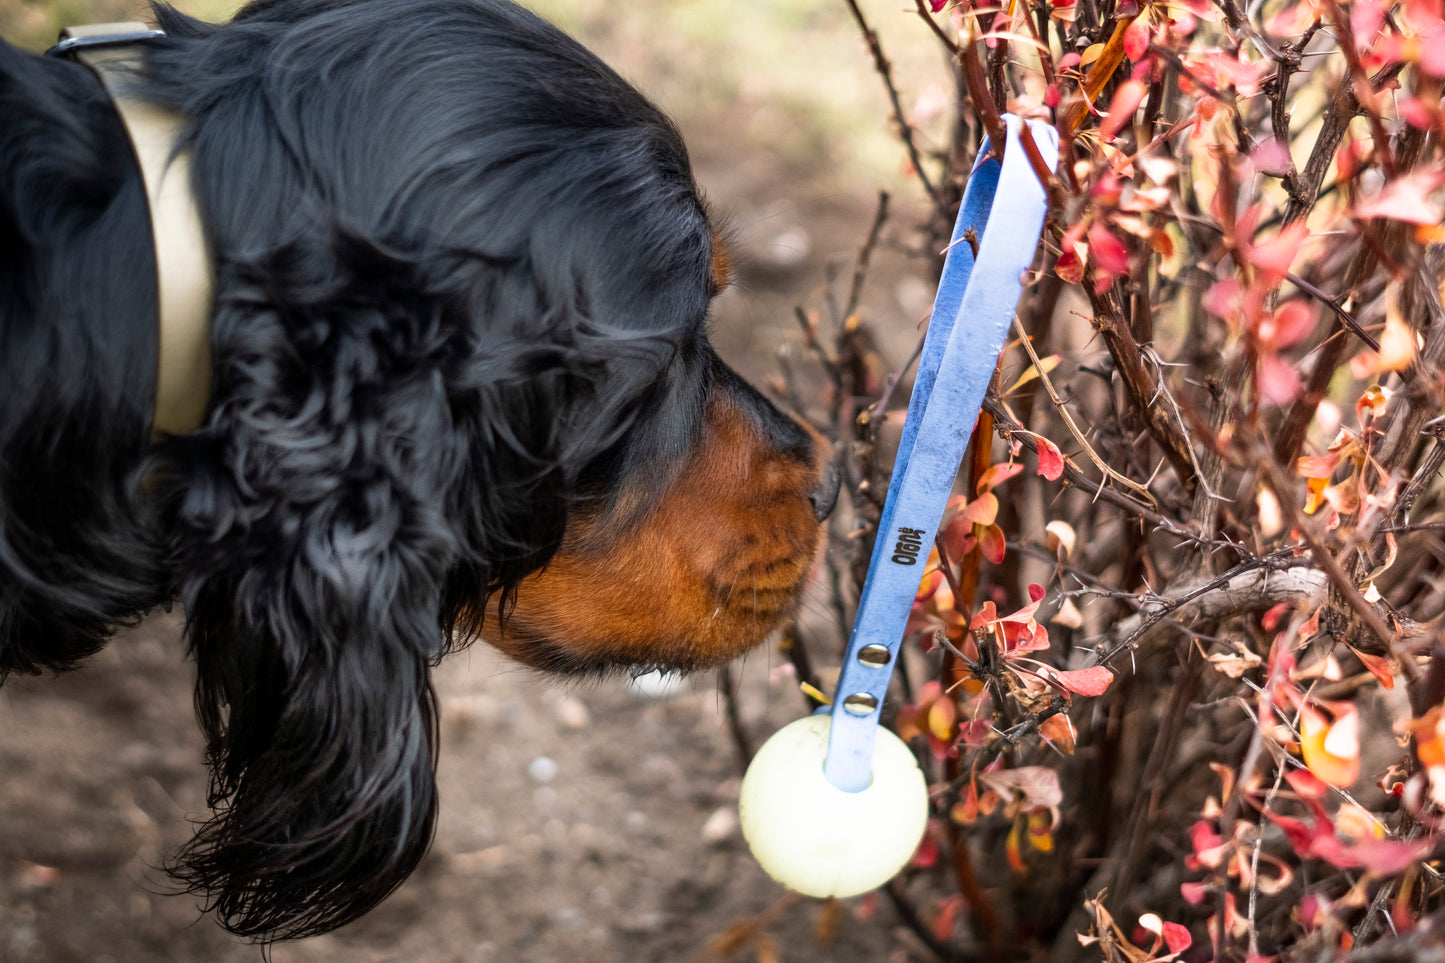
(462, 274)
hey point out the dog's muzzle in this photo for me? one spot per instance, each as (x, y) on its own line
(183, 264)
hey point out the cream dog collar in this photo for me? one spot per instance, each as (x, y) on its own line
(183, 264)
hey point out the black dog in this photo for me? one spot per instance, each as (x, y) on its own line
(460, 388)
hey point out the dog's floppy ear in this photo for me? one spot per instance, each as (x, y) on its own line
(318, 516)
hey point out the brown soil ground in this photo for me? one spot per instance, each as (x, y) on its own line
(578, 822)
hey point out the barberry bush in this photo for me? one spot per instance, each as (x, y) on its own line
(1175, 669)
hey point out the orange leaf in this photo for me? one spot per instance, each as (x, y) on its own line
(996, 475)
(941, 717)
(1012, 849)
(1316, 497)
(928, 585)
(1060, 733)
(982, 510)
(1331, 749)
(965, 811)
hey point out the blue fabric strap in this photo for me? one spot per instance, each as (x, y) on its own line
(1004, 206)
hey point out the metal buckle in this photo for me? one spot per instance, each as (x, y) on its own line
(76, 39)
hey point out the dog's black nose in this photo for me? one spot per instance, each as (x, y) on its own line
(825, 496)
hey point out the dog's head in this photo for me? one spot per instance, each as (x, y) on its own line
(463, 387)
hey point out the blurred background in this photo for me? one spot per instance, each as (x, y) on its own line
(592, 822)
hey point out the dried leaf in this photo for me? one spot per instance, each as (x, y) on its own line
(1235, 664)
(1271, 516)
(1033, 787)
(1059, 536)
(1045, 365)
(1068, 615)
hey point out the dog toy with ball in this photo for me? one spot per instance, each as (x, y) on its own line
(832, 805)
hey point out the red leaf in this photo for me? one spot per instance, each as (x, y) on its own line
(1306, 784)
(1317, 466)
(1086, 682)
(1070, 265)
(1274, 256)
(947, 908)
(1406, 199)
(1026, 638)
(1051, 460)
(1366, 17)
(1386, 857)
(927, 853)
(1110, 254)
(1377, 666)
(992, 544)
(957, 537)
(1121, 109)
(1271, 618)
(1136, 39)
(1245, 77)
(1194, 893)
(1291, 324)
(1207, 845)
(1279, 382)
(1026, 614)
(1272, 157)
(1176, 937)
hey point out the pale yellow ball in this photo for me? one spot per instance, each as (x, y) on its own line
(817, 839)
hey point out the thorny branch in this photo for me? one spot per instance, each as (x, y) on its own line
(1224, 476)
